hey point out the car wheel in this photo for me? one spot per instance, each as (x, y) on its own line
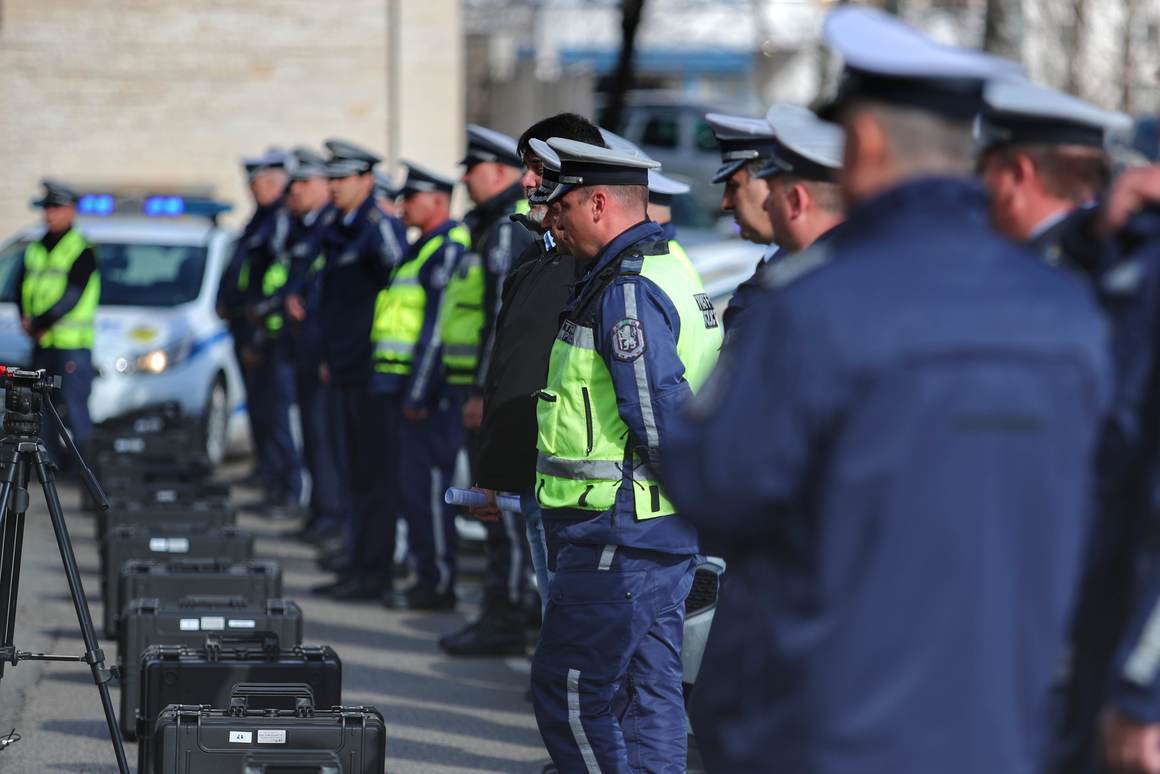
(215, 422)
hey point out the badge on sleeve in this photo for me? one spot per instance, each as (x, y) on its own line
(627, 339)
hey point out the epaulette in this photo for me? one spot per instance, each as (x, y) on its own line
(793, 267)
(375, 215)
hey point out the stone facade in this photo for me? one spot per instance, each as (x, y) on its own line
(165, 94)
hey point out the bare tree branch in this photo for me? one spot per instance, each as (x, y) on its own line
(1003, 28)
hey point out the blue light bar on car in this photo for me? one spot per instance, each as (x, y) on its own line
(96, 204)
(164, 206)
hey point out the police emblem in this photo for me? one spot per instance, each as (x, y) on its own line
(627, 339)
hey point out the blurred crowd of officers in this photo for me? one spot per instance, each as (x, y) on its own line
(923, 436)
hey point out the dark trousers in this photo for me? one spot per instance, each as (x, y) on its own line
(372, 458)
(606, 677)
(427, 463)
(323, 447)
(75, 368)
(508, 558)
(252, 419)
(269, 405)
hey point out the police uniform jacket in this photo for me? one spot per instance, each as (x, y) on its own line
(298, 242)
(78, 279)
(360, 250)
(498, 241)
(424, 385)
(529, 317)
(253, 237)
(902, 476)
(648, 409)
(747, 292)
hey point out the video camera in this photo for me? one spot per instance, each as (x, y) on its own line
(24, 397)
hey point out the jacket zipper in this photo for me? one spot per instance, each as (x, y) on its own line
(587, 417)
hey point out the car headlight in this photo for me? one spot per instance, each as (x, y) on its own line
(158, 360)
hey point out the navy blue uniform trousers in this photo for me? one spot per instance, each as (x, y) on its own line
(606, 677)
(372, 429)
(426, 464)
(75, 369)
(323, 447)
(270, 402)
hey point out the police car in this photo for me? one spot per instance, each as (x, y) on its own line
(157, 336)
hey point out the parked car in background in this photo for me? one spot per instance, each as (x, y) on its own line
(671, 128)
(158, 338)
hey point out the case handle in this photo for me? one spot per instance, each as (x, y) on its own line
(301, 693)
(210, 600)
(266, 639)
(268, 762)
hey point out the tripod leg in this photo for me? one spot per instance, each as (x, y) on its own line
(11, 540)
(96, 658)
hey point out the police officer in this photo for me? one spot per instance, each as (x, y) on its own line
(266, 178)
(804, 203)
(901, 469)
(492, 176)
(745, 145)
(427, 433)
(59, 289)
(1043, 158)
(533, 296)
(310, 215)
(1044, 164)
(360, 251)
(635, 341)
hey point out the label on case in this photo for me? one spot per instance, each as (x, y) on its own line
(190, 625)
(242, 623)
(166, 496)
(271, 736)
(213, 622)
(177, 545)
(243, 737)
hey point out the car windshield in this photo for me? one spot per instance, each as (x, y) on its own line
(131, 274)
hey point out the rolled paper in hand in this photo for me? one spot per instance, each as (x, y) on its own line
(469, 498)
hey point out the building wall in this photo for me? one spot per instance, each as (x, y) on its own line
(172, 94)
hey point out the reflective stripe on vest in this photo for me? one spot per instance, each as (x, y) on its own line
(399, 309)
(584, 458)
(45, 283)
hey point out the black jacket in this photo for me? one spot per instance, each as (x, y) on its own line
(533, 296)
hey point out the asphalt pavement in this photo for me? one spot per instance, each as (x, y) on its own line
(442, 714)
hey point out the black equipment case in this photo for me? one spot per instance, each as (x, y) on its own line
(190, 622)
(121, 513)
(175, 674)
(190, 739)
(133, 490)
(255, 580)
(124, 543)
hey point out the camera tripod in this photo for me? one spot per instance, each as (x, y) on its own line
(22, 453)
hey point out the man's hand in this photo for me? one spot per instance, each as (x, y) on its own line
(415, 414)
(1130, 746)
(1132, 191)
(26, 325)
(296, 308)
(489, 512)
(473, 413)
(324, 373)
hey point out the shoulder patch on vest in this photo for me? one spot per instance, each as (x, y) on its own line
(627, 340)
(792, 268)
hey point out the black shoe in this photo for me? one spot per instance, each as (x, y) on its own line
(420, 598)
(495, 634)
(337, 562)
(316, 533)
(283, 510)
(324, 589)
(358, 589)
